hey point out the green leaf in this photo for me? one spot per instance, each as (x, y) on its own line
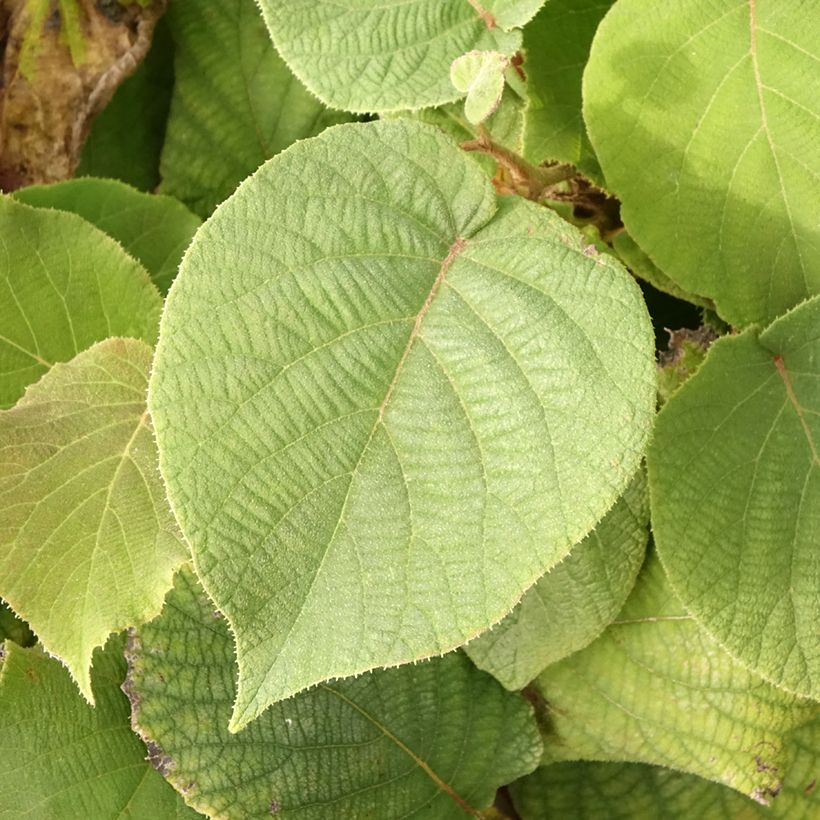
(556, 45)
(153, 229)
(63, 286)
(480, 75)
(655, 688)
(63, 759)
(126, 137)
(14, 629)
(235, 102)
(388, 55)
(89, 545)
(574, 602)
(365, 413)
(434, 739)
(736, 496)
(708, 130)
(625, 791)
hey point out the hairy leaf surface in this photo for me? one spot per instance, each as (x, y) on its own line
(382, 421)
(575, 601)
(735, 479)
(388, 55)
(626, 791)
(61, 758)
(707, 127)
(153, 229)
(432, 740)
(88, 544)
(235, 102)
(556, 45)
(64, 285)
(655, 688)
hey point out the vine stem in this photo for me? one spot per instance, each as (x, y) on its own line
(534, 180)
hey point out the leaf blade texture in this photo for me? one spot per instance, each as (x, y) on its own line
(739, 443)
(389, 56)
(432, 740)
(154, 229)
(63, 758)
(655, 688)
(89, 543)
(708, 132)
(401, 364)
(64, 285)
(575, 601)
(235, 102)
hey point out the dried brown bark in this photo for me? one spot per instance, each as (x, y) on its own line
(48, 98)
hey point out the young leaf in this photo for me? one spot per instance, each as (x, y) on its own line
(480, 75)
(383, 421)
(89, 545)
(391, 55)
(126, 136)
(434, 739)
(574, 602)
(707, 129)
(153, 229)
(735, 477)
(63, 286)
(655, 688)
(556, 45)
(63, 759)
(235, 102)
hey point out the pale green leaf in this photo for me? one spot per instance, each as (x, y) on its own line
(574, 602)
(235, 102)
(62, 759)
(383, 421)
(655, 688)
(431, 740)
(126, 137)
(556, 45)
(153, 229)
(707, 126)
(64, 285)
(480, 75)
(388, 55)
(88, 545)
(735, 478)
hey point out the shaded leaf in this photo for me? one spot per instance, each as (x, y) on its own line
(89, 545)
(153, 229)
(63, 759)
(575, 601)
(13, 628)
(707, 129)
(735, 478)
(361, 425)
(235, 102)
(432, 740)
(63, 286)
(655, 688)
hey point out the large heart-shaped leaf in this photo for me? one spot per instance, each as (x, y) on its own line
(387, 402)
(153, 229)
(655, 688)
(708, 130)
(388, 55)
(63, 759)
(432, 740)
(64, 285)
(735, 478)
(574, 602)
(88, 544)
(235, 102)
